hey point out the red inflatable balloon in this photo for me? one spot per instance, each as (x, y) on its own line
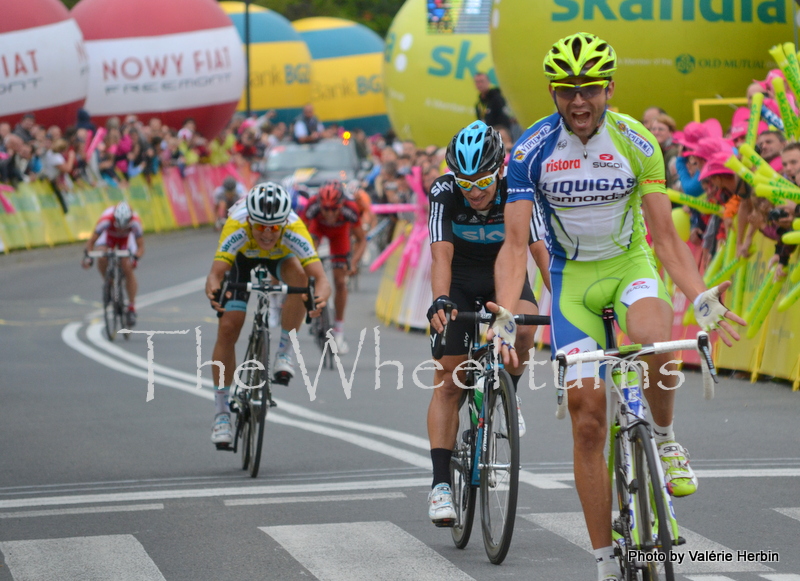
(43, 64)
(171, 60)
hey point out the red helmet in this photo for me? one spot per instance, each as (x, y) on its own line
(331, 194)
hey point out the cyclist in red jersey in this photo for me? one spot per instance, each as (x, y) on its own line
(332, 215)
(119, 227)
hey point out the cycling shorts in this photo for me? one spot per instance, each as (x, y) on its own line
(465, 288)
(240, 272)
(338, 237)
(581, 289)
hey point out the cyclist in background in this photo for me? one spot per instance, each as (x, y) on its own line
(598, 176)
(119, 227)
(225, 196)
(332, 215)
(466, 228)
(261, 229)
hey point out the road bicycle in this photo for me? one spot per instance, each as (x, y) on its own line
(321, 327)
(252, 394)
(113, 289)
(486, 453)
(646, 528)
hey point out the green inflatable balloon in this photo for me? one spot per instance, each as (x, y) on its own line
(670, 52)
(430, 59)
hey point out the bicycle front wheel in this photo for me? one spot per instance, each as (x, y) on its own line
(499, 467)
(461, 463)
(259, 401)
(323, 325)
(110, 305)
(654, 535)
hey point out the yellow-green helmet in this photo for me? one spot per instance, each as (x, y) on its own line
(580, 55)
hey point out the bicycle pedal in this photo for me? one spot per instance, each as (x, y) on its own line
(223, 446)
(281, 378)
(680, 541)
(273, 403)
(447, 523)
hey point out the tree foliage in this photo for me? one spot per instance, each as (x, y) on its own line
(376, 14)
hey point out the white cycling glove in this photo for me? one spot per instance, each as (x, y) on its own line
(708, 309)
(505, 327)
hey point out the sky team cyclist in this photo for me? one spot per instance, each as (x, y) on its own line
(119, 227)
(260, 229)
(598, 177)
(466, 228)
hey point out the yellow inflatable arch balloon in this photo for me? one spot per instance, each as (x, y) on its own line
(280, 64)
(429, 64)
(669, 51)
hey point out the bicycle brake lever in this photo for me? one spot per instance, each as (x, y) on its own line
(310, 304)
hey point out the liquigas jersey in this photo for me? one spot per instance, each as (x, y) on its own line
(591, 195)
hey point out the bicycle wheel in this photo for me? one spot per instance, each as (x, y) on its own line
(324, 325)
(259, 401)
(243, 429)
(109, 304)
(461, 473)
(652, 517)
(122, 312)
(622, 524)
(499, 467)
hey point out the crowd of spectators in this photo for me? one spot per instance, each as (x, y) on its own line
(695, 160)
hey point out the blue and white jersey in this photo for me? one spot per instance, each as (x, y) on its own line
(589, 195)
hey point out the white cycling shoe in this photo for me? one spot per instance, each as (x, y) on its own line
(501, 417)
(283, 369)
(221, 432)
(440, 506)
(341, 344)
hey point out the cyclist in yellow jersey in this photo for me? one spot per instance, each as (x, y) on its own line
(260, 229)
(598, 177)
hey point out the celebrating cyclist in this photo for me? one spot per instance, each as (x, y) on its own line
(332, 215)
(598, 176)
(261, 229)
(466, 228)
(119, 227)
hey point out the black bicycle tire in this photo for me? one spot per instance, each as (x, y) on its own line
(464, 493)
(258, 414)
(121, 306)
(244, 408)
(627, 569)
(640, 443)
(497, 549)
(109, 307)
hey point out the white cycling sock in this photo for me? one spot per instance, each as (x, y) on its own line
(221, 400)
(663, 434)
(285, 343)
(607, 567)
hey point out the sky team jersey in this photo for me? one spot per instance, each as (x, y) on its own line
(237, 236)
(590, 196)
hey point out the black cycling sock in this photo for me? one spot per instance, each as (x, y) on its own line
(515, 380)
(440, 457)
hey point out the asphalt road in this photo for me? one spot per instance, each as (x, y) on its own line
(96, 482)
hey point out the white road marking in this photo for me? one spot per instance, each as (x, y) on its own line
(164, 294)
(364, 551)
(118, 557)
(83, 510)
(790, 512)
(709, 578)
(214, 492)
(324, 498)
(572, 527)
(781, 577)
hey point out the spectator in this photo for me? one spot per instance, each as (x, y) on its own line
(12, 168)
(769, 145)
(307, 128)
(662, 127)
(491, 107)
(5, 129)
(56, 168)
(25, 127)
(429, 175)
(84, 121)
(790, 156)
(651, 114)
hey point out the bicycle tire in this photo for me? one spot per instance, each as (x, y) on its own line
(122, 312)
(243, 431)
(324, 325)
(259, 400)
(109, 307)
(622, 524)
(499, 471)
(461, 463)
(648, 497)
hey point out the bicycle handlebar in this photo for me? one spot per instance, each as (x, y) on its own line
(701, 344)
(281, 289)
(118, 252)
(482, 317)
